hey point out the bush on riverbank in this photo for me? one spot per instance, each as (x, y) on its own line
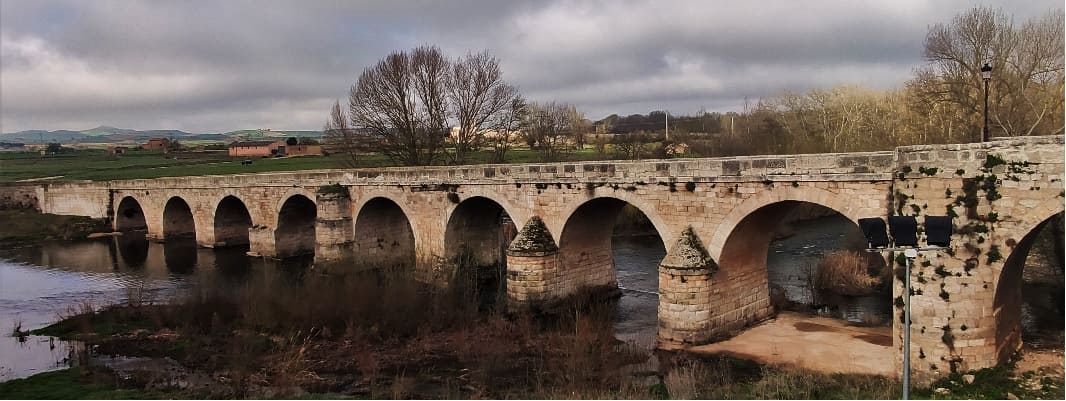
(28, 226)
(847, 273)
(363, 334)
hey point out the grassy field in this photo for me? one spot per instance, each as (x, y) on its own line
(73, 384)
(97, 165)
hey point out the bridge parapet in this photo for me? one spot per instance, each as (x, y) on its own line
(822, 167)
(863, 166)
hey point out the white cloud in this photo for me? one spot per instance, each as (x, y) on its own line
(211, 67)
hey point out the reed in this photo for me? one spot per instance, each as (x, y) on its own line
(845, 272)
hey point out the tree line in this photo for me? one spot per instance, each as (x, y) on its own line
(406, 105)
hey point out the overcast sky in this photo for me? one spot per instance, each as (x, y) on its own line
(223, 65)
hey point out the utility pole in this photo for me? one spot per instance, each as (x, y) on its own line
(667, 125)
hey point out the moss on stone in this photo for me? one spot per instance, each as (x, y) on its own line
(534, 238)
(688, 253)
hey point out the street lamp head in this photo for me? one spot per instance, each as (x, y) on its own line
(986, 72)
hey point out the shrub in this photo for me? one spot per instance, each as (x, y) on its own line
(845, 272)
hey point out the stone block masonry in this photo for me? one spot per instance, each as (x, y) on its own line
(999, 192)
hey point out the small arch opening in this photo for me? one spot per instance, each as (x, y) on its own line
(295, 234)
(178, 223)
(383, 236)
(476, 238)
(232, 222)
(609, 246)
(129, 216)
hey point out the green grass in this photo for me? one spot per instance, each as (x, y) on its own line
(21, 226)
(97, 165)
(72, 384)
(994, 383)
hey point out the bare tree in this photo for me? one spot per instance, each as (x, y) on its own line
(340, 138)
(579, 125)
(1027, 85)
(550, 129)
(509, 123)
(400, 102)
(631, 145)
(477, 93)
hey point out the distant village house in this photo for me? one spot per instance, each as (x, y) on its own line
(271, 148)
(157, 144)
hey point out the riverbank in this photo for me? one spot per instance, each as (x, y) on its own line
(288, 336)
(23, 227)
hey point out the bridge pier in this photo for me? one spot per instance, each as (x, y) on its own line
(531, 265)
(333, 228)
(261, 242)
(685, 300)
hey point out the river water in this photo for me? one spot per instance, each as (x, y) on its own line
(39, 284)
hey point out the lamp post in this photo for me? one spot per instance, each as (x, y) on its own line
(986, 74)
(904, 231)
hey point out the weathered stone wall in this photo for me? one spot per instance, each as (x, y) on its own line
(333, 229)
(78, 199)
(686, 294)
(729, 203)
(998, 193)
(19, 197)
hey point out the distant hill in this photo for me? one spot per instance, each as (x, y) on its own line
(42, 136)
(106, 130)
(108, 134)
(261, 133)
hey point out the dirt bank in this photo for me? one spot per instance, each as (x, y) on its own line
(26, 226)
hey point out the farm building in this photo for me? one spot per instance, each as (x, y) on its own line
(157, 144)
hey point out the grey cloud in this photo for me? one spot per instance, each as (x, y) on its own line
(217, 66)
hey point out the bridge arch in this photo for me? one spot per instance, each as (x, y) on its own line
(477, 232)
(1008, 299)
(557, 227)
(585, 243)
(383, 234)
(232, 221)
(818, 196)
(178, 221)
(129, 216)
(285, 198)
(295, 232)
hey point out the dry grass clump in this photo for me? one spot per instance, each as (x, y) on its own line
(846, 272)
(727, 378)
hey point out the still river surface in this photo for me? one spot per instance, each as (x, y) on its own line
(38, 284)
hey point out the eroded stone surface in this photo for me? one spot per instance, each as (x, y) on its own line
(688, 253)
(719, 198)
(534, 238)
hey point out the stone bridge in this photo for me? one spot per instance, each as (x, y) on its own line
(715, 217)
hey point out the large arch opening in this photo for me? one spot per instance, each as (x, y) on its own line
(383, 236)
(610, 245)
(806, 261)
(1028, 304)
(475, 239)
(129, 216)
(295, 235)
(232, 222)
(810, 258)
(177, 220)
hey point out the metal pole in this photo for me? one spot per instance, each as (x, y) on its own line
(909, 254)
(984, 135)
(667, 126)
(907, 331)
